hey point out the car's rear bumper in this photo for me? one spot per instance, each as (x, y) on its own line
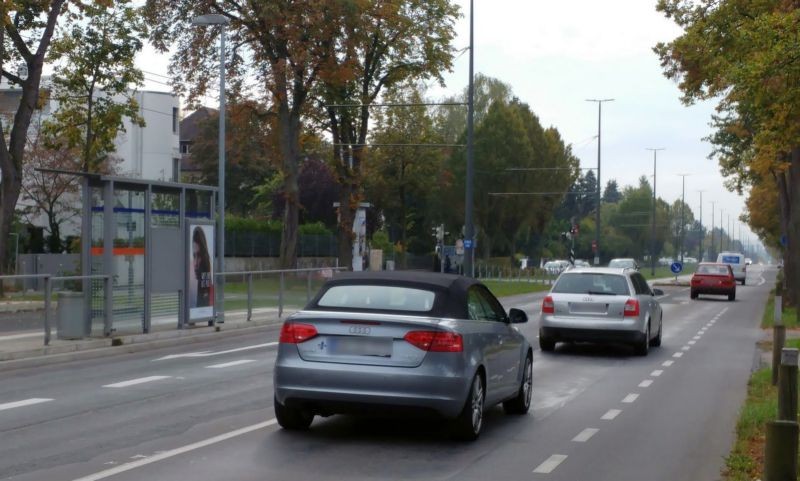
(569, 334)
(334, 388)
(716, 291)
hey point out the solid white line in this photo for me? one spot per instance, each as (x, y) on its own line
(678, 354)
(208, 354)
(134, 382)
(585, 435)
(174, 452)
(611, 414)
(692, 343)
(646, 383)
(25, 402)
(657, 373)
(550, 464)
(630, 398)
(230, 364)
(13, 337)
(668, 363)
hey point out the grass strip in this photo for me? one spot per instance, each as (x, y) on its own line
(513, 288)
(789, 314)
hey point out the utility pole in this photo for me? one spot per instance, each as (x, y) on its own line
(721, 230)
(599, 184)
(683, 209)
(653, 227)
(713, 247)
(469, 226)
(702, 235)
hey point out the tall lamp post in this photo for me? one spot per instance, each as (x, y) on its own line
(701, 236)
(683, 208)
(653, 228)
(221, 21)
(469, 226)
(713, 218)
(721, 229)
(599, 184)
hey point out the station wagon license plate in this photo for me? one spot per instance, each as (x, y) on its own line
(361, 346)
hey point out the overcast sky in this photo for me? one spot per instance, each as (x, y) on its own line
(557, 54)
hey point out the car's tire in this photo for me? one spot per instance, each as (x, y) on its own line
(656, 342)
(693, 295)
(292, 419)
(732, 297)
(546, 344)
(643, 347)
(744, 281)
(467, 426)
(522, 402)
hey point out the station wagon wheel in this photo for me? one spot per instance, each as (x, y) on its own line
(468, 424)
(521, 403)
(643, 347)
(656, 342)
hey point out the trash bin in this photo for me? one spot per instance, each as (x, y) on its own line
(70, 319)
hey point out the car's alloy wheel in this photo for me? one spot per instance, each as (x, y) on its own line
(292, 418)
(522, 402)
(656, 342)
(643, 347)
(469, 423)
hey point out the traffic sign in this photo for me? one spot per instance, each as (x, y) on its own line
(676, 267)
(467, 243)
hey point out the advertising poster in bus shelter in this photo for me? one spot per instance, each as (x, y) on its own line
(201, 272)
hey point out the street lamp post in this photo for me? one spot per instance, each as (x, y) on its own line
(469, 226)
(599, 185)
(713, 217)
(683, 208)
(653, 228)
(221, 21)
(701, 236)
(721, 229)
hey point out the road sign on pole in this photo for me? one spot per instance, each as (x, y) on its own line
(676, 268)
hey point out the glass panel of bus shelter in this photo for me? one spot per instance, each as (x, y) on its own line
(165, 214)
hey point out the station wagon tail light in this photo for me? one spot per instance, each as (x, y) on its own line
(435, 341)
(632, 308)
(295, 333)
(548, 306)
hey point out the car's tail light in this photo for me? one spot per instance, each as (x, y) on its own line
(435, 341)
(295, 333)
(696, 280)
(632, 308)
(548, 306)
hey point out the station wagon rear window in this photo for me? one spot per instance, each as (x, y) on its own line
(381, 298)
(592, 283)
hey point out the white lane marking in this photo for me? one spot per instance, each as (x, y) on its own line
(230, 364)
(723, 311)
(657, 373)
(219, 353)
(174, 452)
(24, 402)
(646, 383)
(611, 414)
(140, 380)
(585, 435)
(668, 363)
(686, 348)
(697, 337)
(630, 398)
(692, 343)
(678, 354)
(550, 464)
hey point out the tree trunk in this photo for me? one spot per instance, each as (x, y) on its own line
(346, 217)
(791, 257)
(289, 125)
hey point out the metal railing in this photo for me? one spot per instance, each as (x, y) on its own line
(281, 273)
(48, 294)
(530, 275)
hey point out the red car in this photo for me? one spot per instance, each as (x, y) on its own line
(716, 279)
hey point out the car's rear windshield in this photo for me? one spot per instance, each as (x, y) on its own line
(381, 298)
(592, 283)
(713, 270)
(620, 263)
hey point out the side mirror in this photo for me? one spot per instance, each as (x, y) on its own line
(658, 292)
(517, 316)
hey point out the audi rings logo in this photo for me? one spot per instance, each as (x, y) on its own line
(361, 330)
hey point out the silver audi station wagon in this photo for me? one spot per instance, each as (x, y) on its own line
(601, 305)
(402, 341)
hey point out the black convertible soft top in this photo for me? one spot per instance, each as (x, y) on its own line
(451, 289)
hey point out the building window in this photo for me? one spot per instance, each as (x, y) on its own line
(184, 147)
(174, 120)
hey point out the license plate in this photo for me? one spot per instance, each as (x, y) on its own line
(361, 346)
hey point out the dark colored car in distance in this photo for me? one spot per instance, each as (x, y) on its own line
(715, 279)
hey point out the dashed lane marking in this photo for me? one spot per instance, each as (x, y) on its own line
(550, 464)
(630, 398)
(134, 382)
(668, 363)
(23, 403)
(611, 414)
(646, 383)
(678, 354)
(585, 435)
(230, 364)
(657, 373)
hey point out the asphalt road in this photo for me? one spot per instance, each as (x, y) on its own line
(204, 412)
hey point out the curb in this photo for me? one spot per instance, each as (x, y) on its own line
(132, 344)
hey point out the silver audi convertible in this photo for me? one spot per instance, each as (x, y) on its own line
(402, 341)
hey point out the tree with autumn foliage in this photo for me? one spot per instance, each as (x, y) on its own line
(385, 44)
(278, 53)
(745, 54)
